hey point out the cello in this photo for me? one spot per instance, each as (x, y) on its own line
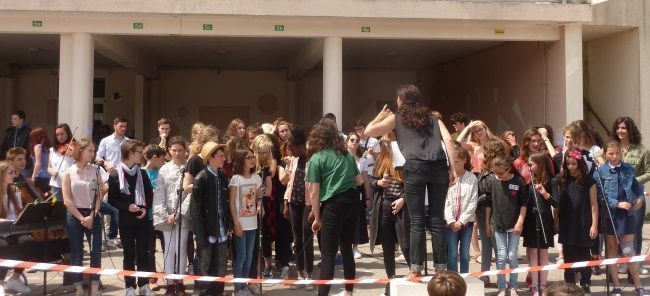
(31, 194)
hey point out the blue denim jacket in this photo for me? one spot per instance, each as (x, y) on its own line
(633, 190)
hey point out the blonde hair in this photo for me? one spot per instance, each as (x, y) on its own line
(488, 133)
(207, 132)
(6, 190)
(196, 130)
(263, 142)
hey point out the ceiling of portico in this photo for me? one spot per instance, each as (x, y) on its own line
(247, 52)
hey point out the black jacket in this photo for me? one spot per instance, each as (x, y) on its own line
(122, 201)
(21, 140)
(203, 206)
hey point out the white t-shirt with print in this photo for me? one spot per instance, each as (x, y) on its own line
(246, 200)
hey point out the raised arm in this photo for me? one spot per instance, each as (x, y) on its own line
(383, 123)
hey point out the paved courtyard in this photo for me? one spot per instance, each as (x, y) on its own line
(370, 266)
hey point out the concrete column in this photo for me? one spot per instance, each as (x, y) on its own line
(76, 72)
(333, 78)
(565, 85)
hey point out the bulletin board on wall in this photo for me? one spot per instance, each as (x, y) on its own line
(222, 115)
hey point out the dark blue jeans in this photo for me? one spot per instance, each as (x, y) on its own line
(432, 179)
(76, 234)
(107, 209)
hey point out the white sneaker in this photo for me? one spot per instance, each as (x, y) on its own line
(2, 290)
(309, 287)
(285, 272)
(17, 286)
(357, 254)
(130, 292)
(296, 287)
(146, 291)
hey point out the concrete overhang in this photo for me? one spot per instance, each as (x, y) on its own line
(383, 9)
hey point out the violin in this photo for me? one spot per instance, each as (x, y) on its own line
(67, 149)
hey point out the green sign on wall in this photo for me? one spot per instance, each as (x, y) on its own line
(37, 24)
(138, 26)
(279, 28)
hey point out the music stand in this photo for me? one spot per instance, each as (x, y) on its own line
(43, 214)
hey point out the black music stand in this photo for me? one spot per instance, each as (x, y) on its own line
(43, 214)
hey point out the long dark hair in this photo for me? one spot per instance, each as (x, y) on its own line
(68, 132)
(239, 161)
(543, 175)
(632, 130)
(524, 153)
(582, 167)
(324, 135)
(412, 112)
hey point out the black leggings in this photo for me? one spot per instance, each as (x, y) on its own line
(388, 229)
(577, 254)
(337, 229)
(303, 236)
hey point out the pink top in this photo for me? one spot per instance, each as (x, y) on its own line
(477, 158)
(83, 183)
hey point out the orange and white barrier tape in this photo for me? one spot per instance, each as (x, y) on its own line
(98, 271)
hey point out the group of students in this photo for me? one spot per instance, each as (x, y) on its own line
(275, 187)
(538, 190)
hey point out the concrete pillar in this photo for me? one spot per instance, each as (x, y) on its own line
(76, 72)
(564, 82)
(138, 122)
(333, 78)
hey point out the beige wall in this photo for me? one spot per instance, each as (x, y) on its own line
(181, 92)
(613, 75)
(363, 91)
(35, 92)
(503, 86)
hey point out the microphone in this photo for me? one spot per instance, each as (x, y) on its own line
(182, 169)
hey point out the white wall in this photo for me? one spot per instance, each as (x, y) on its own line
(613, 75)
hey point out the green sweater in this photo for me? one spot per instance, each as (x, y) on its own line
(639, 157)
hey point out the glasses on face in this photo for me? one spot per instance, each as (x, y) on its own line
(250, 157)
(353, 140)
(12, 172)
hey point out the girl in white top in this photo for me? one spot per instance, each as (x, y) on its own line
(166, 207)
(60, 157)
(459, 211)
(244, 206)
(83, 185)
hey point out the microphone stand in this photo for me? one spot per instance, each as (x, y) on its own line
(179, 194)
(539, 225)
(603, 221)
